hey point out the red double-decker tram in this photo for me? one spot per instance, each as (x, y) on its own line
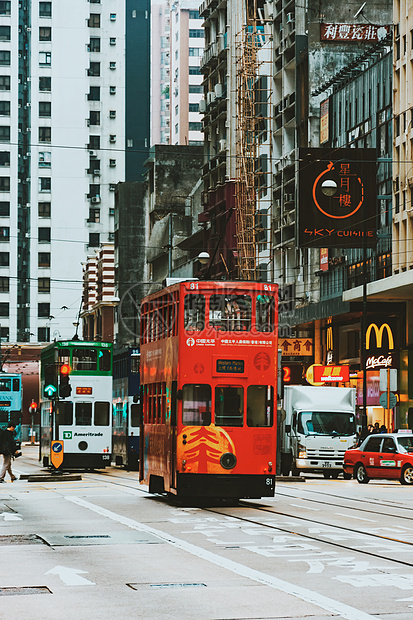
(208, 380)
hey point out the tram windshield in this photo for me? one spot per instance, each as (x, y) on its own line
(196, 405)
(230, 312)
(326, 423)
(229, 406)
(5, 385)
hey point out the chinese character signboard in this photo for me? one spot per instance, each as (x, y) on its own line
(353, 33)
(295, 346)
(337, 198)
(331, 374)
(324, 121)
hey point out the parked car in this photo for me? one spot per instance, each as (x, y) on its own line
(387, 455)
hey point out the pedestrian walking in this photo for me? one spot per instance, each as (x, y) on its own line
(8, 449)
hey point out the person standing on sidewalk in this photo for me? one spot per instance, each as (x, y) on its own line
(8, 449)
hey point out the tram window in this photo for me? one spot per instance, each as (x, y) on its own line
(196, 405)
(104, 360)
(194, 312)
(16, 385)
(84, 359)
(84, 414)
(230, 312)
(101, 414)
(5, 385)
(229, 406)
(64, 413)
(265, 313)
(260, 399)
(64, 356)
(135, 364)
(135, 415)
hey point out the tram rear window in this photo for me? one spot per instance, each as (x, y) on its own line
(104, 360)
(196, 405)
(83, 414)
(260, 404)
(265, 313)
(194, 312)
(5, 385)
(84, 359)
(101, 414)
(230, 312)
(229, 406)
(64, 413)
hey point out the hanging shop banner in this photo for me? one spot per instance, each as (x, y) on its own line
(354, 33)
(331, 374)
(296, 347)
(324, 121)
(337, 198)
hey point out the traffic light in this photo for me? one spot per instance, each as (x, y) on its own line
(33, 407)
(65, 389)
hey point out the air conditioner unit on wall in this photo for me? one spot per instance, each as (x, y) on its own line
(218, 90)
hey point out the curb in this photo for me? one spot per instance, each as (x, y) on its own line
(50, 477)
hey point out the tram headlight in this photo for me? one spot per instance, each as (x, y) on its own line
(302, 451)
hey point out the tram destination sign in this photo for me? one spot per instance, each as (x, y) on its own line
(230, 366)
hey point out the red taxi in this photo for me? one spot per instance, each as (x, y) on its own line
(387, 455)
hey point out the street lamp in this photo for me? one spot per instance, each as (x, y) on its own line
(329, 187)
(203, 258)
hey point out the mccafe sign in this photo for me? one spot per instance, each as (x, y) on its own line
(380, 347)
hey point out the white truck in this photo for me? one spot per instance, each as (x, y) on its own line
(319, 425)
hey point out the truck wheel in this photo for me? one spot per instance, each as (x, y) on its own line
(407, 475)
(326, 473)
(360, 474)
(335, 473)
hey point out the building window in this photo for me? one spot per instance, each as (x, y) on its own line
(44, 235)
(4, 82)
(45, 159)
(43, 285)
(5, 7)
(193, 88)
(45, 184)
(112, 163)
(44, 209)
(45, 84)
(195, 126)
(4, 284)
(94, 20)
(45, 59)
(4, 233)
(4, 259)
(4, 108)
(45, 109)
(94, 240)
(43, 310)
(94, 142)
(94, 69)
(5, 57)
(4, 308)
(4, 133)
(112, 64)
(112, 138)
(195, 51)
(94, 93)
(196, 33)
(94, 44)
(176, 128)
(45, 134)
(112, 90)
(194, 70)
(45, 9)
(5, 158)
(194, 15)
(43, 334)
(94, 215)
(94, 191)
(112, 113)
(44, 259)
(94, 1)
(4, 184)
(45, 33)
(194, 107)
(94, 117)
(5, 32)
(4, 209)
(112, 187)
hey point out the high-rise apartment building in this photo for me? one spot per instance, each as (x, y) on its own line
(160, 71)
(63, 144)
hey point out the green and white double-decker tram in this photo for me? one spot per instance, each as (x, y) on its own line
(76, 389)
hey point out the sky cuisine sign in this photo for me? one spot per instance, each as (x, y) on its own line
(380, 351)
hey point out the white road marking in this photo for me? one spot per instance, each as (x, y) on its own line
(70, 576)
(10, 516)
(340, 514)
(324, 602)
(305, 507)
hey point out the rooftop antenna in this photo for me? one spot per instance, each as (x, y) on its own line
(360, 10)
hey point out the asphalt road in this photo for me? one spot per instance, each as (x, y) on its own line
(103, 548)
